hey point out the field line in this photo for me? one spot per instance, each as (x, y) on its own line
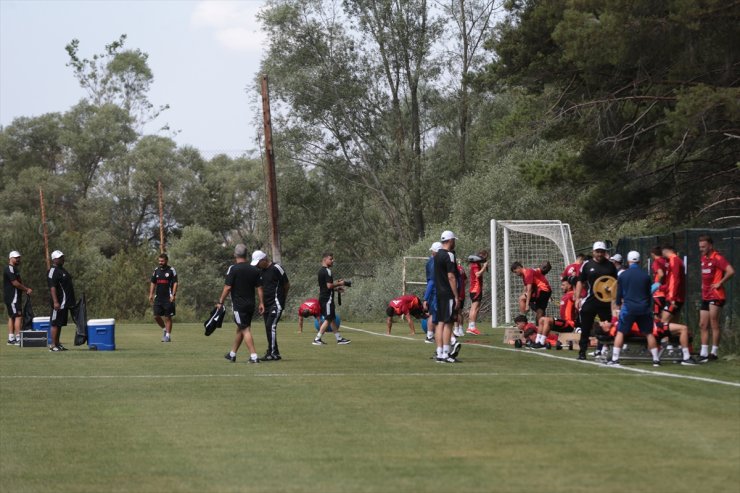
(563, 358)
(290, 375)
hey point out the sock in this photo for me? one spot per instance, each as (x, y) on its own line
(253, 355)
(654, 352)
(605, 350)
(317, 338)
(615, 353)
(232, 354)
(445, 350)
(338, 336)
(453, 340)
(542, 338)
(439, 352)
(715, 350)
(430, 335)
(11, 337)
(704, 351)
(471, 325)
(686, 353)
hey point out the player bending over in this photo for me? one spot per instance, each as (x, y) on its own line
(567, 320)
(309, 308)
(408, 305)
(537, 289)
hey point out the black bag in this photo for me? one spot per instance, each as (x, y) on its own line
(215, 320)
(27, 315)
(79, 314)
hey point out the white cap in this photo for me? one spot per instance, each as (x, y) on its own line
(14, 254)
(599, 245)
(633, 256)
(258, 255)
(56, 254)
(617, 258)
(447, 236)
(435, 247)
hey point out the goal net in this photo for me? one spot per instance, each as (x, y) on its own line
(531, 243)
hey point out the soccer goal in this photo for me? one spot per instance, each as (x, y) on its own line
(413, 275)
(531, 243)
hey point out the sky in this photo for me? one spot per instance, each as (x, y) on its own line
(204, 55)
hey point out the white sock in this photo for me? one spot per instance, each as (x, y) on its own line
(654, 352)
(471, 325)
(445, 350)
(253, 355)
(686, 353)
(615, 353)
(338, 336)
(439, 352)
(232, 354)
(704, 350)
(453, 340)
(715, 350)
(430, 335)
(11, 337)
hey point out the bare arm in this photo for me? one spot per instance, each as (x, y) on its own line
(174, 291)
(729, 272)
(54, 298)
(388, 325)
(151, 292)
(300, 323)
(261, 296)
(18, 285)
(224, 293)
(453, 284)
(577, 294)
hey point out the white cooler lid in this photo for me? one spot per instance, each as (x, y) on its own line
(101, 321)
(40, 319)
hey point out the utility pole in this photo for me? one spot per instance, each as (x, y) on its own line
(161, 216)
(45, 232)
(270, 178)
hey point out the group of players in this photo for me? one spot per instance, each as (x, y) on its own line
(604, 287)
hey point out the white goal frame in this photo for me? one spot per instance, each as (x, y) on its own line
(557, 232)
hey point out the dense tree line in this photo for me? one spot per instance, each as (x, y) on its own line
(394, 119)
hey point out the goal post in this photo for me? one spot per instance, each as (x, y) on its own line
(412, 266)
(530, 242)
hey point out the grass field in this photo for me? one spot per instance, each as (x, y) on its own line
(376, 415)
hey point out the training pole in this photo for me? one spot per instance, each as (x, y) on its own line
(43, 226)
(270, 178)
(161, 216)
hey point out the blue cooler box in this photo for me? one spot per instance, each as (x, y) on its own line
(101, 334)
(42, 323)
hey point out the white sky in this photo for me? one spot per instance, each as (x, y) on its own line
(204, 55)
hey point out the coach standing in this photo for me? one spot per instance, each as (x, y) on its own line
(13, 289)
(326, 300)
(597, 268)
(275, 287)
(448, 301)
(62, 298)
(242, 279)
(162, 294)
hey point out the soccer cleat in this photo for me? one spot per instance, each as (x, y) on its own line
(428, 340)
(474, 331)
(318, 342)
(529, 345)
(689, 362)
(62, 348)
(539, 345)
(270, 357)
(253, 360)
(581, 356)
(55, 349)
(165, 339)
(450, 359)
(613, 364)
(230, 357)
(11, 342)
(703, 359)
(656, 363)
(343, 341)
(460, 332)
(440, 360)
(713, 357)
(455, 349)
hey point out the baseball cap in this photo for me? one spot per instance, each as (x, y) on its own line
(258, 255)
(633, 256)
(14, 254)
(435, 247)
(599, 245)
(56, 254)
(447, 236)
(617, 258)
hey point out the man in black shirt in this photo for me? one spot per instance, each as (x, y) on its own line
(62, 298)
(241, 282)
(326, 300)
(13, 289)
(599, 267)
(162, 294)
(275, 286)
(448, 301)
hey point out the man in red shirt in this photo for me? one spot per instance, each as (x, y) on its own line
(659, 267)
(715, 271)
(537, 290)
(309, 308)
(408, 305)
(572, 270)
(528, 331)
(478, 267)
(567, 320)
(675, 285)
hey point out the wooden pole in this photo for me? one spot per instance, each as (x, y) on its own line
(270, 178)
(161, 217)
(43, 226)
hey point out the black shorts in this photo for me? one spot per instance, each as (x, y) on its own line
(563, 325)
(540, 302)
(461, 305)
(328, 311)
(658, 303)
(164, 309)
(445, 309)
(243, 317)
(705, 304)
(476, 297)
(672, 308)
(13, 309)
(58, 317)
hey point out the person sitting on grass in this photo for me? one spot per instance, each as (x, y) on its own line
(408, 305)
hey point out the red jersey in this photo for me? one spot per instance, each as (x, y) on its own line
(312, 306)
(675, 280)
(463, 278)
(713, 269)
(567, 307)
(659, 264)
(404, 304)
(573, 270)
(476, 283)
(537, 279)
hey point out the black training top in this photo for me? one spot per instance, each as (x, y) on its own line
(591, 270)
(444, 263)
(274, 280)
(60, 279)
(164, 278)
(10, 292)
(325, 278)
(243, 279)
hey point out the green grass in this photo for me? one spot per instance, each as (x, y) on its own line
(377, 415)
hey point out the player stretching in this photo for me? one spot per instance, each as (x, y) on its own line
(408, 305)
(445, 280)
(430, 295)
(327, 286)
(715, 271)
(537, 290)
(309, 308)
(567, 320)
(478, 267)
